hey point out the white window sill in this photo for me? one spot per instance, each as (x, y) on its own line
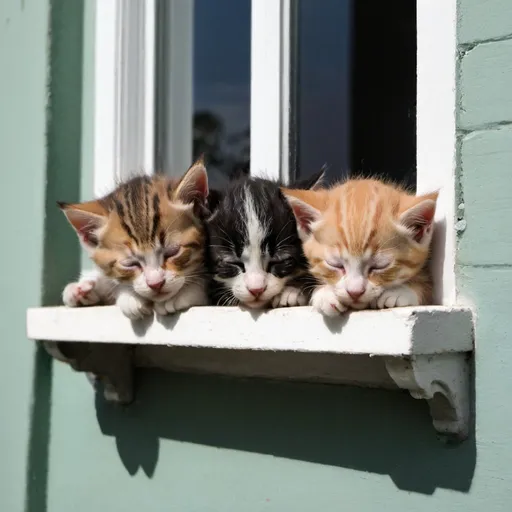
(424, 349)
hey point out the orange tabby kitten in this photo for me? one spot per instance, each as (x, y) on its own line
(147, 243)
(367, 243)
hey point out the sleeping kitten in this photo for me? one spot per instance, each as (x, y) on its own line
(255, 253)
(147, 241)
(368, 243)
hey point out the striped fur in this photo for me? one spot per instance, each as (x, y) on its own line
(147, 239)
(367, 242)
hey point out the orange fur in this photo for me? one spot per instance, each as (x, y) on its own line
(362, 221)
(132, 220)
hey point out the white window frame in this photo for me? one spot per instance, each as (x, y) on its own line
(124, 90)
(125, 99)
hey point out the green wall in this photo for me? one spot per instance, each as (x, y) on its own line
(195, 443)
(23, 61)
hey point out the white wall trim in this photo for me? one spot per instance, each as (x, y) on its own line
(270, 88)
(436, 136)
(124, 91)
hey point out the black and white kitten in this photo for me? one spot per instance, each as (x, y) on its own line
(255, 253)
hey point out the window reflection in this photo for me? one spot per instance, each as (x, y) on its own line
(356, 90)
(222, 63)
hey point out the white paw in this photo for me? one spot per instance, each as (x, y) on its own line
(133, 306)
(81, 293)
(324, 300)
(400, 296)
(186, 298)
(290, 296)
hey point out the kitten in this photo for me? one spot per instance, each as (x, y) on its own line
(147, 241)
(255, 253)
(368, 243)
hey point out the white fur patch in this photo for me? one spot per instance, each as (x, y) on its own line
(133, 306)
(399, 296)
(290, 296)
(91, 289)
(187, 297)
(325, 300)
(255, 276)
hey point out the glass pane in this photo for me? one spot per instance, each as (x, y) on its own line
(221, 104)
(323, 89)
(357, 88)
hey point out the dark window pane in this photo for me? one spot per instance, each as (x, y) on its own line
(384, 89)
(323, 90)
(222, 65)
(356, 90)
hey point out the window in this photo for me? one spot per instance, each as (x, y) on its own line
(281, 87)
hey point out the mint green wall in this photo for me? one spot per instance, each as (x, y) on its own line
(485, 247)
(193, 443)
(23, 61)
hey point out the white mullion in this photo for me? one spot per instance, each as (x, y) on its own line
(105, 87)
(270, 88)
(175, 86)
(436, 135)
(124, 91)
(149, 107)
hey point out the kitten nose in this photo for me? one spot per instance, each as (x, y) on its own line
(156, 285)
(257, 291)
(356, 293)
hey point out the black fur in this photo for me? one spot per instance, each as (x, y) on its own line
(226, 229)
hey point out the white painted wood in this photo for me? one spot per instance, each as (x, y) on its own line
(436, 136)
(124, 91)
(270, 88)
(175, 86)
(396, 332)
(105, 90)
(442, 380)
(285, 88)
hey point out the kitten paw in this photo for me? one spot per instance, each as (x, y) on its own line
(400, 296)
(133, 306)
(81, 293)
(290, 296)
(186, 298)
(325, 301)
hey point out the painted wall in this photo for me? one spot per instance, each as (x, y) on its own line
(485, 246)
(194, 443)
(23, 61)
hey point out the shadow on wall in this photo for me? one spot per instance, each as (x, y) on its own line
(61, 252)
(362, 429)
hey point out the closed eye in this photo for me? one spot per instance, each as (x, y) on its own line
(378, 267)
(130, 263)
(238, 264)
(171, 251)
(337, 264)
(282, 268)
(228, 269)
(285, 262)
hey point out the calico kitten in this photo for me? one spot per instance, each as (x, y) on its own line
(255, 253)
(147, 241)
(368, 243)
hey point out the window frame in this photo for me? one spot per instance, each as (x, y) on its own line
(143, 115)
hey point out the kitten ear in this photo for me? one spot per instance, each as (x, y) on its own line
(418, 216)
(86, 219)
(305, 214)
(193, 186)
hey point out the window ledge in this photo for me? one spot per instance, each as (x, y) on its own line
(422, 349)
